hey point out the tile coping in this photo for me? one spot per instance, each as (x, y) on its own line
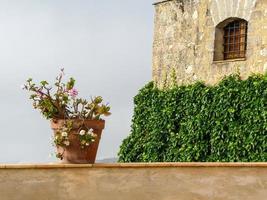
(133, 165)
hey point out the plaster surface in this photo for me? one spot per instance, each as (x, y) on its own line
(157, 181)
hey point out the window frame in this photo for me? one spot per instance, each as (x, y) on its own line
(237, 42)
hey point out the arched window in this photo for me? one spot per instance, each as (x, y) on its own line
(231, 39)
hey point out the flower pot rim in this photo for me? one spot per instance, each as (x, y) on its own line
(96, 124)
(76, 119)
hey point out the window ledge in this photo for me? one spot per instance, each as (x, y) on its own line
(230, 60)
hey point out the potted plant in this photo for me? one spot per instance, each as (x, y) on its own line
(76, 122)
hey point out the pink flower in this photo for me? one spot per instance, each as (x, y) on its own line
(73, 92)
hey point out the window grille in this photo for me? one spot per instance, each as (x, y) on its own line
(235, 40)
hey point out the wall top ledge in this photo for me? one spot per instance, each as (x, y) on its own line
(160, 1)
(133, 165)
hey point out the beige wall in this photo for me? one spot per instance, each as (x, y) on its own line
(164, 181)
(184, 40)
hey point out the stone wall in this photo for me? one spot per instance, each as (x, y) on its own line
(183, 47)
(147, 181)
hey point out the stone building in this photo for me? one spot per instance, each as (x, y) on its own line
(207, 40)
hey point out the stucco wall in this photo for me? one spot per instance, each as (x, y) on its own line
(151, 181)
(184, 40)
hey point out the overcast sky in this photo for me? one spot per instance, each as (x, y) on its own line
(106, 45)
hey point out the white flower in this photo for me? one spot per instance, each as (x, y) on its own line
(90, 132)
(64, 134)
(87, 144)
(66, 142)
(82, 132)
(93, 140)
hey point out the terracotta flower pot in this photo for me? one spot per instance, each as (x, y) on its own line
(74, 153)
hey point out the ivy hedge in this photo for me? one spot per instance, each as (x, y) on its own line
(199, 123)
